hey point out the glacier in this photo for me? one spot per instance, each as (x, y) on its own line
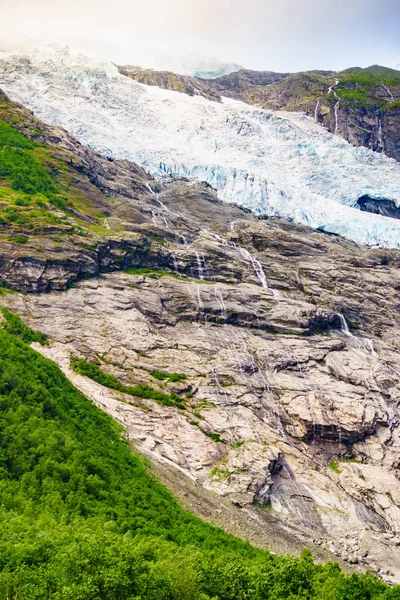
(273, 163)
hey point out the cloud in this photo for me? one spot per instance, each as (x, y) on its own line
(288, 35)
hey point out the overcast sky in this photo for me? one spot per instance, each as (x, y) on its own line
(280, 35)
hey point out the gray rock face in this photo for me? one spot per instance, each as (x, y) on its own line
(289, 341)
(301, 421)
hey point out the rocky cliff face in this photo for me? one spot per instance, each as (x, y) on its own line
(361, 105)
(288, 415)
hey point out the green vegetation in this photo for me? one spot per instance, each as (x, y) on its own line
(39, 191)
(19, 239)
(237, 445)
(15, 326)
(162, 376)
(21, 166)
(390, 105)
(158, 273)
(153, 273)
(140, 390)
(334, 466)
(360, 87)
(370, 76)
(221, 474)
(214, 436)
(82, 519)
(29, 194)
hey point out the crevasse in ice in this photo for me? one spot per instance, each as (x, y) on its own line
(273, 163)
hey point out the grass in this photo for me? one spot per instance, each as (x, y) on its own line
(158, 273)
(214, 436)
(221, 474)
(370, 77)
(210, 434)
(237, 445)
(369, 84)
(140, 390)
(334, 466)
(163, 375)
(390, 105)
(39, 193)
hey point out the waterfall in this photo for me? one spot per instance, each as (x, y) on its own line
(344, 328)
(364, 344)
(152, 192)
(220, 300)
(316, 111)
(256, 266)
(336, 111)
(389, 92)
(368, 342)
(175, 263)
(336, 107)
(200, 265)
(153, 217)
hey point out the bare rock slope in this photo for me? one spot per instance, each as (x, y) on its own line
(280, 343)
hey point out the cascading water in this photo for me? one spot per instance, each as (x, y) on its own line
(344, 328)
(256, 266)
(336, 107)
(389, 92)
(200, 265)
(244, 253)
(316, 111)
(220, 300)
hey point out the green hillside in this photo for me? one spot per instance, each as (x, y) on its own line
(367, 87)
(40, 193)
(82, 518)
(370, 76)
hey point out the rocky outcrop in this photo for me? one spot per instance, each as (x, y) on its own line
(283, 406)
(379, 206)
(303, 423)
(171, 81)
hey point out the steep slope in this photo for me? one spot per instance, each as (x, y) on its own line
(361, 105)
(272, 163)
(221, 347)
(82, 517)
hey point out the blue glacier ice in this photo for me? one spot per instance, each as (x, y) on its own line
(273, 163)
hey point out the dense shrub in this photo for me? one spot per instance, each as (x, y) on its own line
(19, 164)
(140, 390)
